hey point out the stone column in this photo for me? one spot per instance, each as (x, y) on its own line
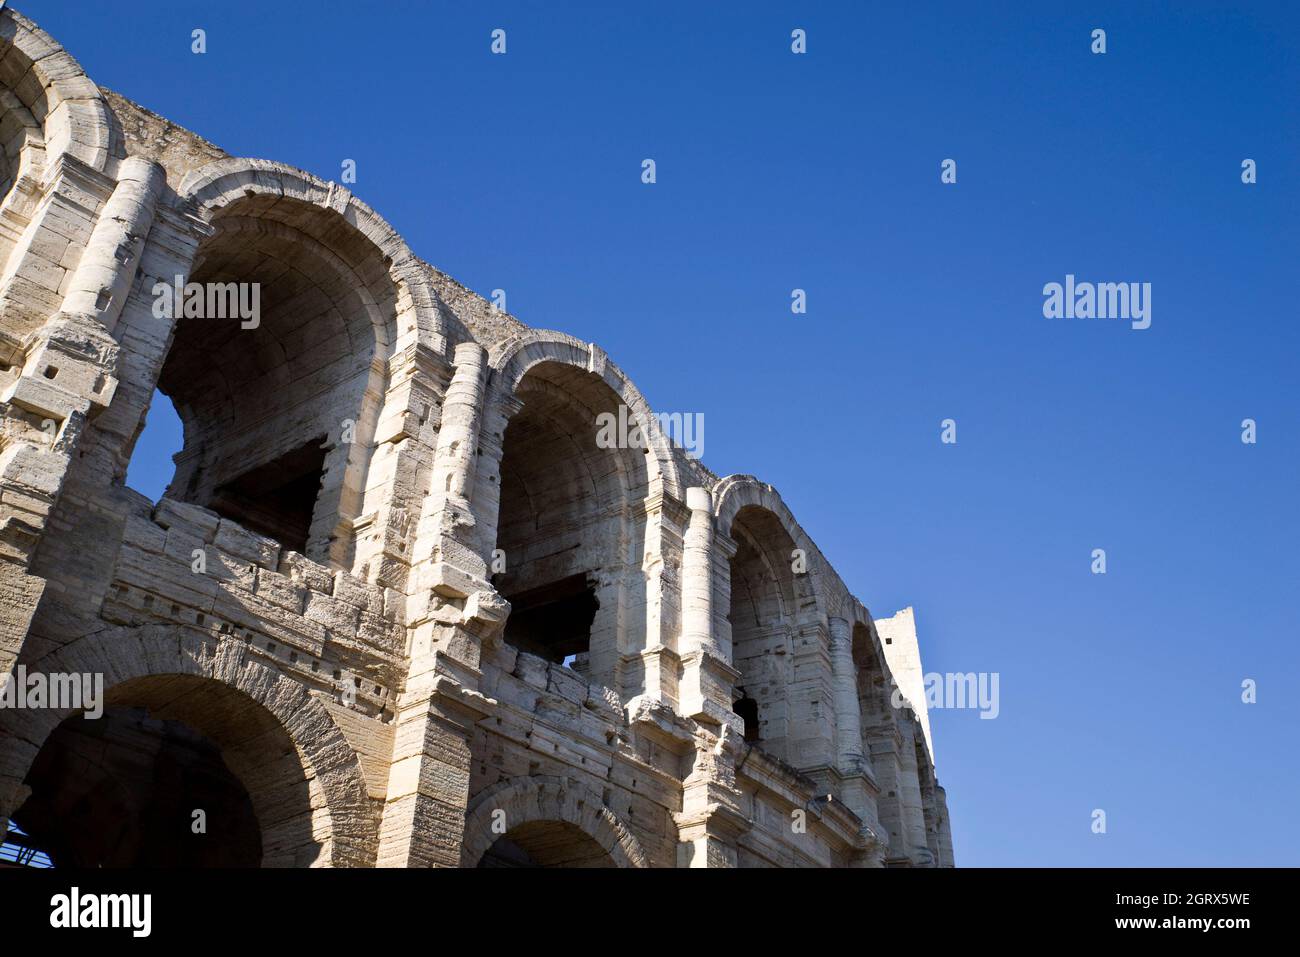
(428, 782)
(889, 805)
(697, 573)
(458, 434)
(707, 678)
(447, 549)
(848, 724)
(909, 792)
(711, 820)
(848, 716)
(650, 656)
(451, 612)
(811, 735)
(108, 264)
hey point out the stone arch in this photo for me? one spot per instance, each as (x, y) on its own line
(566, 508)
(215, 187)
(806, 595)
(52, 107)
(513, 359)
(22, 144)
(297, 397)
(49, 109)
(768, 613)
(303, 777)
(736, 492)
(527, 800)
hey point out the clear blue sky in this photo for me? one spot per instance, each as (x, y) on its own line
(821, 171)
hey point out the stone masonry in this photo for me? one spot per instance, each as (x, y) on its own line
(398, 606)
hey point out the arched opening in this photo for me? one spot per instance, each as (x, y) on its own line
(128, 790)
(276, 371)
(47, 108)
(762, 614)
(570, 528)
(546, 844)
(178, 771)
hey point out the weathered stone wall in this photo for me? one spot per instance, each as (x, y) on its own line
(400, 605)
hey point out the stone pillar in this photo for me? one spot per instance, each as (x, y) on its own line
(697, 573)
(909, 792)
(452, 611)
(486, 496)
(848, 716)
(707, 678)
(458, 436)
(711, 819)
(855, 791)
(428, 781)
(447, 536)
(811, 736)
(650, 639)
(108, 264)
(409, 417)
(447, 552)
(889, 807)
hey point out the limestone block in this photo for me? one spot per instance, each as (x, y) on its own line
(171, 512)
(339, 617)
(238, 541)
(34, 470)
(532, 670)
(304, 571)
(281, 590)
(143, 534)
(181, 543)
(163, 576)
(567, 685)
(381, 633)
(230, 571)
(356, 592)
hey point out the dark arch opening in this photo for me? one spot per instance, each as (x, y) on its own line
(122, 790)
(275, 373)
(569, 524)
(113, 790)
(762, 615)
(546, 844)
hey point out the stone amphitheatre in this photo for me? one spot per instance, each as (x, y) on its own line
(398, 607)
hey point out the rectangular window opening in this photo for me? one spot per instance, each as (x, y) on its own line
(276, 499)
(553, 621)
